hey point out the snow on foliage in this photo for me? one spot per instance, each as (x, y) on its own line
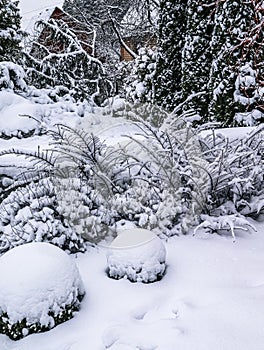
(30, 213)
(12, 76)
(14, 111)
(10, 31)
(212, 224)
(70, 67)
(138, 255)
(139, 84)
(40, 287)
(235, 169)
(161, 178)
(249, 93)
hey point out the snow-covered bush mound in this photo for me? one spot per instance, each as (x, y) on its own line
(30, 213)
(12, 76)
(40, 287)
(137, 254)
(13, 123)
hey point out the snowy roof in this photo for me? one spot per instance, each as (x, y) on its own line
(41, 16)
(45, 16)
(84, 33)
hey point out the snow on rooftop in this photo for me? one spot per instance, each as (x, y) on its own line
(43, 15)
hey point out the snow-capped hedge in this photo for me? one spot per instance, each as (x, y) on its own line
(29, 213)
(14, 123)
(138, 255)
(12, 76)
(40, 287)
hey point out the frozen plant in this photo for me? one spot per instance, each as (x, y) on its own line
(29, 213)
(12, 77)
(40, 288)
(235, 171)
(138, 255)
(212, 224)
(64, 57)
(139, 84)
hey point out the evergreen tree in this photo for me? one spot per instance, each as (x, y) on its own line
(171, 40)
(196, 56)
(249, 92)
(139, 84)
(231, 22)
(65, 62)
(10, 32)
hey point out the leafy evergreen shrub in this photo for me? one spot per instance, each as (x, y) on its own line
(172, 26)
(250, 95)
(140, 83)
(12, 77)
(197, 56)
(40, 288)
(10, 31)
(29, 213)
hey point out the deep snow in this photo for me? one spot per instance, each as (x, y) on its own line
(211, 296)
(136, 254)
(36, 279)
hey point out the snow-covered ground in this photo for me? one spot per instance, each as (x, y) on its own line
(211, 297)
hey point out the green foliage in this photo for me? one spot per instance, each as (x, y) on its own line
(202, 49)
(197, 56)
(231, 22)
(23, 328)
(10, 31)
(171, 36)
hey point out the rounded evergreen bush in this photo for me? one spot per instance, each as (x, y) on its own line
(138, 255)
(40, 287)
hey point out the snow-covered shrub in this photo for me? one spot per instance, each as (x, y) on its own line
(15, 120)
(235, 169)
(40, 287)
(249, 94)
(29, 212)
(255, 117)
(164, 192)
(158, 194)
(12, 77)
(82, 180)
(138, 255)
(64, 61)
(139, 84)
(81, 205)
(218, 224)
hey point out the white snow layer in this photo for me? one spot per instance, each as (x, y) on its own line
(137, 254)
(37, 278)
(12, 109)
(210, 298)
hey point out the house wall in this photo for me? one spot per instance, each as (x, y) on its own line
(55, 45)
